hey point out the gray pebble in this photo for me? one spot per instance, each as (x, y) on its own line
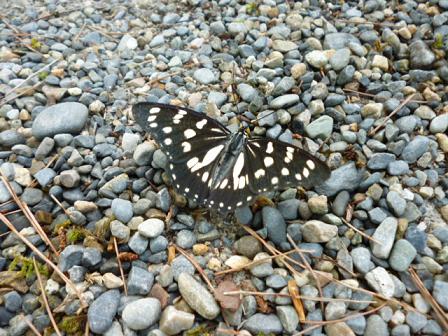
(142, 313)
(122, 210)
(102, 311)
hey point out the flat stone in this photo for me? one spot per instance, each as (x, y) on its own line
(102, 311)
(380, 280)
(197, 296)
(67, 117)
(264, 323)
(402, 255)
(173, 321)
(315, 231)
(142, 313)
(385, 235)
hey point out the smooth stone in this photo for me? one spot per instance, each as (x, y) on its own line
(415, 149)
(71, 256)
(140, 281)
(102, 311)
(122, 209)
(142, 313)
(288, 317)
(151, 228)
(275, 225)
(402, 255)
(376, 326)
(264, 323)
(197, 296)
(384, 234)
(173, 321)
(320, 128)
(440, 293)
(380, 280)
(315, 231)
(67, 117)
(346, 177)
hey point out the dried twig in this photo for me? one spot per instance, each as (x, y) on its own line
(44, 297)
(296, 299)
(59, 204)
(365, 235)
(67, 281)
(125, 287)
(31, 325)
(318, 324)
(197, 266)
(309, 268)
(397, 109)
(28, 214)
(442, 317)
(354, 92)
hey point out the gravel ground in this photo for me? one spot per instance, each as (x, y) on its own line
(359, 84)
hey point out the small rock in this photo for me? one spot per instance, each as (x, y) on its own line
(315, 231)
(151, 228)
(380, 280)
(402, 255)
(142, 313)
(173, 321)
(385, 235)
(102, 311)
(264, 323)
(320, 128)
(197, 296)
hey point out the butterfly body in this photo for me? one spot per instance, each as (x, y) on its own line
(220, 169)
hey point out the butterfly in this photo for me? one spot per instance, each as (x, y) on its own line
(220, 169)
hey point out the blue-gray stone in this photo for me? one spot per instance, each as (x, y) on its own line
(380, 160)
(440, 293)
(140, 281)
(415, 148)
(13, 301)
(122, 210)
(346, 177)
(275, 225)
(102, 311)
(416, 321)
(398, 167)
(264, 323)
(67, 117)
(71, 256)
(402, 255)
(10, 138)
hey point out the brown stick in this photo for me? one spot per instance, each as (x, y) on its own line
(44, 297)
(125, 287)
(197, 266)
(398, 108)
(31, 325)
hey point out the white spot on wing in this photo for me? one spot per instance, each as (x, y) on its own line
(259, 173)
(204, 177)
(151, 118)
(237, 168)
(201, 124)
(189, 133)
(239, 204)
(268, 161)
(270, 148)
(241, 182)
(187, 190)
(154, 124)
(310, 164)
(290, 149)
(192, 162)
(249, 198)
(154, 110)
(285, 171)
(182, 112)
(223, 183)
(186, 147)
(168, 141)
(298, 177)
(274, 180)
(211, 155)
(306, 172)
(167, 129)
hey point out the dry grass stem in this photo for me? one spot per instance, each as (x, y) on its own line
(372, 95)
(365, 235)
(309, 268)
(318, 324)
(28, 214)
(397, 109)
(125, 287)
(294, 292)
(31, 325)
(442, 317)
(44, 297)
(59, 204)
(197, 266)
(67, 281)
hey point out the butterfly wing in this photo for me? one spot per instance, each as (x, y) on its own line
(192, 141)
(277, 165)
(266, 165)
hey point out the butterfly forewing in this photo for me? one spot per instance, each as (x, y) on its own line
(192, 141)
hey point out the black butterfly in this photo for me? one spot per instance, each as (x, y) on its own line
(220, 169)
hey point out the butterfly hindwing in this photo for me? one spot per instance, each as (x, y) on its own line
(278, 165)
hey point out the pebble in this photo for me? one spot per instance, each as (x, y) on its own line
(173, 321)
(376, 326)
(275, 225)
(122, 210)
(385, 235)
(264, 323)
(402, 255)
(320, 128)
(140, 281)
(288, 317)
(346, 177)
(197, 296)
(315, 231)
(151, 228)
(67, 117)
(102, 311)
(380, 280)
(142, 313)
